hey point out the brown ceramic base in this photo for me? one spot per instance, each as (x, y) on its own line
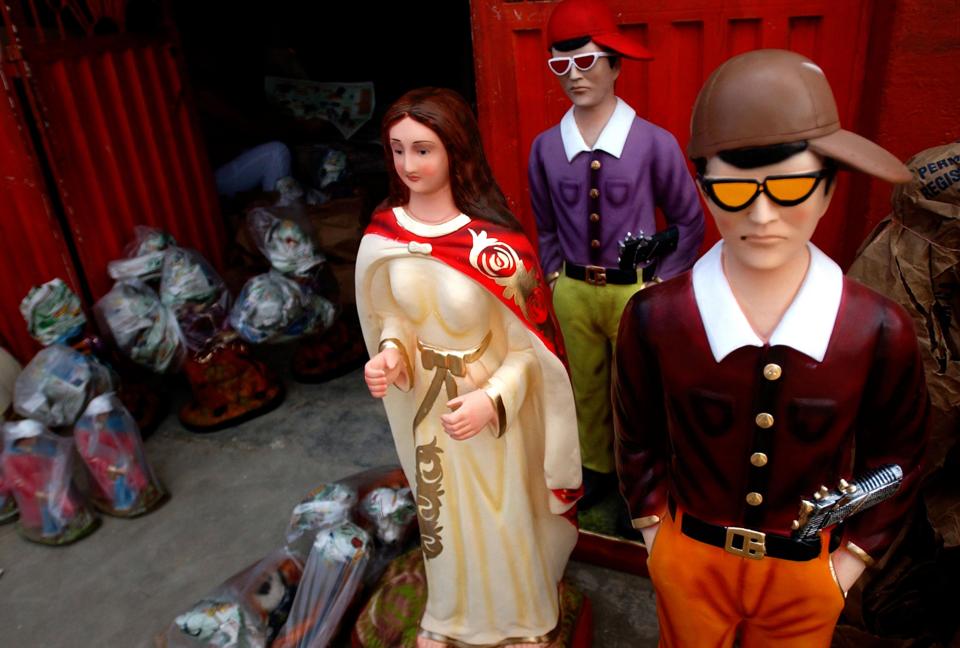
(201, 420)
(336, 352)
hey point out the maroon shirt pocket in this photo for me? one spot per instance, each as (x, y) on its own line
(711, 412)
(811, 419)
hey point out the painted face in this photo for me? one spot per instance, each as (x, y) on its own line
(765, 235)
(590, 88)
(419, 157)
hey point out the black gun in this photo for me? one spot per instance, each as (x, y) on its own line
(827, 507)
(647, 250)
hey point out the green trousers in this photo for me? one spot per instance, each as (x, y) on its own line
(589, 318)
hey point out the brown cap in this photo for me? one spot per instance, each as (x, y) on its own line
(774, 96)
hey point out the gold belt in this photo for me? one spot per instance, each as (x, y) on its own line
(447, 365)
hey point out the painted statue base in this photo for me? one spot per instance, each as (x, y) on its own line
(229, 387)
(391, 618)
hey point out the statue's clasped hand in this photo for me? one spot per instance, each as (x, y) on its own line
(469, 414)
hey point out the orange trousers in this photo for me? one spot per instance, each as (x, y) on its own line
(707, 597)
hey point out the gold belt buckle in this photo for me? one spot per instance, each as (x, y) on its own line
(596, 275)
(753, 543)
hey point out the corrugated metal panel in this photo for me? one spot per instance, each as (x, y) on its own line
(32, 250)
(124, 148)
(518, 97)
(118, 143)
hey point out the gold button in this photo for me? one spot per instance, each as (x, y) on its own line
(594, 244)
(772, 371)
(758, 459)
(594, 193)
(764, 420)
(754, 499)
(594, 218)
(595, 165)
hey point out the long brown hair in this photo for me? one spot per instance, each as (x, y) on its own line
(445, 112)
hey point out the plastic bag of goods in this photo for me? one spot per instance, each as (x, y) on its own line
(197, 295)
(8, 506)
(53, 313)
(331, 578)
(144, 255)
(273, 308)
(391, 511)
(55, 387)
(247, 611)
(326, 506)
(37, 468)
(285, 242)
(108, 440)
(143, 328)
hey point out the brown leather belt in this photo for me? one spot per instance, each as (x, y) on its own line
(600, 276)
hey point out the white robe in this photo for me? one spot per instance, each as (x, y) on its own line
(504, 542)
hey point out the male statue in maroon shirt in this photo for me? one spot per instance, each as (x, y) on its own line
(745, 384)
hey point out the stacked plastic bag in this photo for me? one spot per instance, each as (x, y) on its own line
(282, 304)
(196, 294)
(273, 308)
(55, 387)
(123, 484)
(247, 611)
(144, 260)
(38, 466)
(341, 536)
(331, 578)
(53, 313)
(142, 328)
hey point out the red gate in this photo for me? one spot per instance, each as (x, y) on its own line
(112, 114)
(518, 96)
(33, 250)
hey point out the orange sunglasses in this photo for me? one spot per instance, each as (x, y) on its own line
(735, 194)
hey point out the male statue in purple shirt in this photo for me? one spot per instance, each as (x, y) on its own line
(595, 177)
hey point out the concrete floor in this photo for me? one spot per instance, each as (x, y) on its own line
(232, 493)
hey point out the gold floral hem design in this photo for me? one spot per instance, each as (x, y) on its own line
(429, 490)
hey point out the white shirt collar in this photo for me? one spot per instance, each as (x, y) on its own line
(612, 137)
(806, 325)
(428, 230)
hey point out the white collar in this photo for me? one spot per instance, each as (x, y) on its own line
(428, 230)
(806, 325)
(612, 137)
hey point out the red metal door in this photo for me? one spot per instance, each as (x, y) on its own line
(518, 97)
(32, 249)
(118, 133)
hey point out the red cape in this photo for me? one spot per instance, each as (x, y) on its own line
(499, 259)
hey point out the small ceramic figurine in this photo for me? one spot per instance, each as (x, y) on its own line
(763, 374)
(467, 356)
(596, 177)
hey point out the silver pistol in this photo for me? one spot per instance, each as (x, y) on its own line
(829, 507)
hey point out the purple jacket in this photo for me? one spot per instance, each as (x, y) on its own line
(583, 229)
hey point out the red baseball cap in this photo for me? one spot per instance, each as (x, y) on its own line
(578, 18)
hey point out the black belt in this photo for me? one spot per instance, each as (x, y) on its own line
(600, 276)
(747, 543)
